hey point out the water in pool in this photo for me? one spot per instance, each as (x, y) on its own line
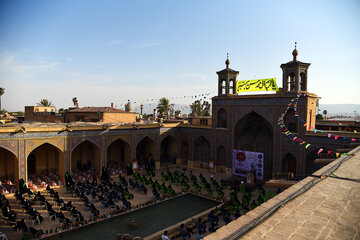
(149, 220)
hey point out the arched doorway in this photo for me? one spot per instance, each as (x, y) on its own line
(168, 151)
(221, 156)
(289, 163)
(254, 133)
(86, 156)
(9, 167)
(291, 120)
(44, 161)
(118, 154)
(222, 119)
(145, 149)
(201, 152)
(184, 152)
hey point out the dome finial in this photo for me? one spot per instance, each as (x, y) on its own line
(227, 62)
(295, 53)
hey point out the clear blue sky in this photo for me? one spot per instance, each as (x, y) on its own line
(110, 51)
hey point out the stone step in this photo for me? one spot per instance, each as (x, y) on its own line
(343, 150)
(324, 160)
(355, 144)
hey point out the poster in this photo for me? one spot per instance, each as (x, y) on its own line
(245, 161)
(257, 85)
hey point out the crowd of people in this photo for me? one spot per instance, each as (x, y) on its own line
(90, 189)
(7, 186)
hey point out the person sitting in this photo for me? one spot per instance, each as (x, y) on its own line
(143, 188)
(63, 219)
(104, 175)
(155, 193)
(164, 236)
(201, 227)
(131, 183)
(23, 187)
(182, 232)
(22, 225)
(39, 197)
(213, 219)
(127, 204)
(94, 211)
(212, 228)
(50, 191)
(226, 218)
(170, 190)
(69, 181)
(129, 169)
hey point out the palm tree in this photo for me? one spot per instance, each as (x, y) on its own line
(75, 102)
(164, 107)
(2, 91)
(200, 109)
(45, 103)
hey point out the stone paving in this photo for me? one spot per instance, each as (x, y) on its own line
(139, 198)
(329, 210)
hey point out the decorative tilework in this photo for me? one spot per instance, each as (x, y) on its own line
(11, 145)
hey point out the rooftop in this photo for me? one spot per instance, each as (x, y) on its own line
(97, 109)
(323, 206)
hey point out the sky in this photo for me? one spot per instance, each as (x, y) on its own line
(110, 51)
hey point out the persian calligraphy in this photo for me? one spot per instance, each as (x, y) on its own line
(268, 84)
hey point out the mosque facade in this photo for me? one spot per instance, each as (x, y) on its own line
(244, 122)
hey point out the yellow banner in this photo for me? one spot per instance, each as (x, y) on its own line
(257, 85)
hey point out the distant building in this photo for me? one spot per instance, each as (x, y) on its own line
(348, 125)
(99, 114)
(201, 121)
(40, 114)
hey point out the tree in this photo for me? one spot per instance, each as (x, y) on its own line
(325, 113)
(62, 110)
(200, 109)
(2, 91)
(164, 107)
(75, 102)
(319, 117)
(177, 113)
(45, 103)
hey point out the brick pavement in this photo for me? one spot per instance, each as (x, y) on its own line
(329, 210)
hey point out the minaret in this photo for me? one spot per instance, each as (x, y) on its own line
(295, 74)
(227, 80)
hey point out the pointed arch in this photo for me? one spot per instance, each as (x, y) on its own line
(9, 165)
(85, 140)
(86, 155)
(46, 158)
(223, 86)
(201, 150)
(232, 86)
(289, 163)
(168, 150)
(118, 154)
(9, 149)
(254, 133)
(184, 152)
(145, 149)
(291, 82)
(126, 140)
(303, 81)
(221, 156)
(222, 118)
(291, 121)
